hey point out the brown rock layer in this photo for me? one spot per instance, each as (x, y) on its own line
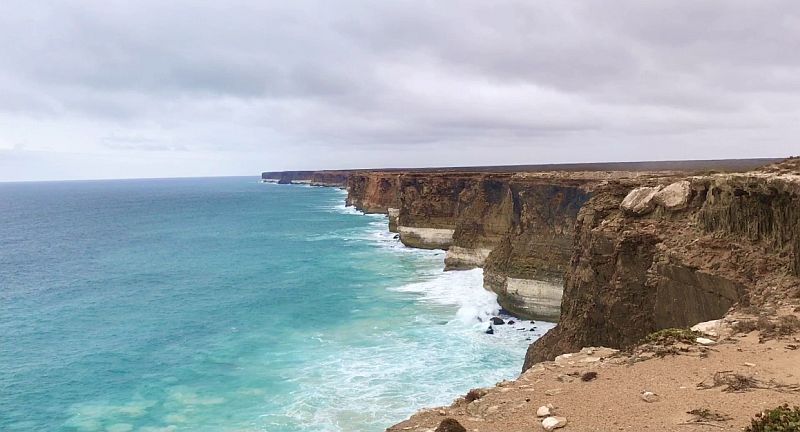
(736, 241)
(374, 192)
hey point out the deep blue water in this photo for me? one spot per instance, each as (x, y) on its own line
(227, 305)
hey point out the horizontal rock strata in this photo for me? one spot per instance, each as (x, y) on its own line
(611, 254)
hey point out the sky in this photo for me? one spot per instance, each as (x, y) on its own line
(127, 89)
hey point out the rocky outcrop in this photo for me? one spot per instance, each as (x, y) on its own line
(673, 253)
(429, 207)
(373, 192)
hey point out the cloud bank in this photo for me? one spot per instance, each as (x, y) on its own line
(92, 89)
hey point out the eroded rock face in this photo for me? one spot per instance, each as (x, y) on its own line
(526, 269)
(734, 241)
(394, 214)
(373, 192)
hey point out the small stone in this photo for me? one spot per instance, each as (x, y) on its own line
(705, 341)
(492, 409)
(551, 423)
(750, 364)
(442, 412)
(543, 411)
(552, 392)
(649, 397)
(450, 425)
(565, 378)
(589, 376)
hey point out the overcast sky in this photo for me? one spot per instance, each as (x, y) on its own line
(112, 89)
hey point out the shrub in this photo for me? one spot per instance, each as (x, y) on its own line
(780, 419)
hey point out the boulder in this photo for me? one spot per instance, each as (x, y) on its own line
(711, 328)
(640, 201)
(675, 196)
(497, 321)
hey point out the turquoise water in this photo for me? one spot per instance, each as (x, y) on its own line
(228, 305)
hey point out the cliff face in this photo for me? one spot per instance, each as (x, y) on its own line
(373, 192)
(611, 255)
(675, 253)
(330, 178)
(526, 267)
(429, 207)
(315, 178)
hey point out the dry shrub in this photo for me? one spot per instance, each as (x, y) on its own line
(474, 395)
(706, 415)
(733, 382)
(671, 336)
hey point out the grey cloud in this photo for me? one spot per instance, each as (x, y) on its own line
(363, 76)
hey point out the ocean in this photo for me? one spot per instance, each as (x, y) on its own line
(225, 304)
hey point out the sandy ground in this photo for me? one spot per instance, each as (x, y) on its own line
(613, 400)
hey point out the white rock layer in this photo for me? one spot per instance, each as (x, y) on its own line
(466, 257)
(541, 298)
(433, 238)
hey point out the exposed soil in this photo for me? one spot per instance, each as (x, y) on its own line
(696, 387)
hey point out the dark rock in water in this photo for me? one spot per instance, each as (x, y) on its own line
(533, 322)
(527, 338)
(533, 329)
(510, 322)
(497, 321)
(450, 425)
(397, 237)
(490, 330)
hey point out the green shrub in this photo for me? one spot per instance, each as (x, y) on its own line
(780, 419)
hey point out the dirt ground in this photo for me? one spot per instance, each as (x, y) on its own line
(723, 385)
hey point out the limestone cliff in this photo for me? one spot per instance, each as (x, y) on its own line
(373, 192)
(631, 251)
(526, 268)
(675, 252)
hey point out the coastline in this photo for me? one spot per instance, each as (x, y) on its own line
(708, 245)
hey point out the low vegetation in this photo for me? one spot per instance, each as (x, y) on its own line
(672, 336)
(703, 415)
(784, 325)
(780, 419)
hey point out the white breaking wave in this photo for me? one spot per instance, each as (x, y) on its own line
(462, 289)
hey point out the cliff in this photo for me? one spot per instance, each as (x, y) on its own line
(314, 178)
(610, 255)
(373, 192)
(527, 265)
(674, 253)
